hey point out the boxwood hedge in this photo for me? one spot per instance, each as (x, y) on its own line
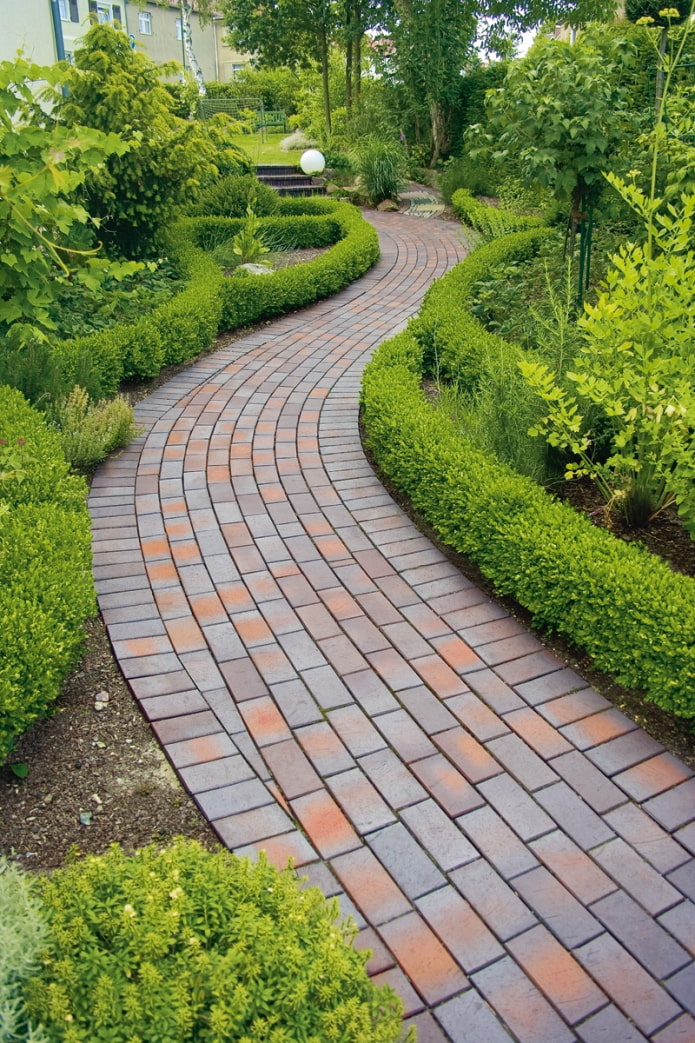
(46, 589)
(184, 326)
(626, 608)
(490, 221)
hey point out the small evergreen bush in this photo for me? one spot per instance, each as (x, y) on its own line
(229, 197)
(23, 934)
(490, 221)
(183, 944)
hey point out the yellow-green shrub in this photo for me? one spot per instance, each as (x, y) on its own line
(22, 936)
(187, 324)
(182, 944)
(89, 431)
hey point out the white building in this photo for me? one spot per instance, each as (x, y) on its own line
(47, 30)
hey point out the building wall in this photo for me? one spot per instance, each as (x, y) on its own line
(28, 25)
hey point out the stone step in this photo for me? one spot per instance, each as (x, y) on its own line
(287, 180)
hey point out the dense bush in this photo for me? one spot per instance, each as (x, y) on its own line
(119, 90)
(490, 221)
(229, 197)
(183, 944)
(622, 605)
(22, 936)
(46, 589)
(455, 345)
(382, 168)
(89, 431)
(247, 299)
(474, 175)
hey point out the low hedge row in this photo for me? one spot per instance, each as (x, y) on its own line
(186, 325)
(454, 344)
(46, 588)
(490, 221)
(628, 610)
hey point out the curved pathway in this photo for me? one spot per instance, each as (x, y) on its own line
(517, 853)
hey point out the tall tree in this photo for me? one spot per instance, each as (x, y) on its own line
(561, 113)
(294, 33)
(116, 89)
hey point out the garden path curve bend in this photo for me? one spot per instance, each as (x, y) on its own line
(517, 853)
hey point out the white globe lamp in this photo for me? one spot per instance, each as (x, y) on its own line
(312, 162)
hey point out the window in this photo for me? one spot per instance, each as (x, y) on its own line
(236, 69)
(145, 23)
(105, 12)
(68, 11)
(179, 29)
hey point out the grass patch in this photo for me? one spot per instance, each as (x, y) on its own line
(265, 148)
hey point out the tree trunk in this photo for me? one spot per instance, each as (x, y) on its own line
(357, 66)
(439, 134)
(324, 80)
(577, 214)
(348, 56)
(188, 48)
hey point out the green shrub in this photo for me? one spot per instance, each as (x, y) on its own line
(229, 197)
(46, 589)
(634, 617)
(22, 936)
(90, 431)
(473, 175)
(454, 342)
(119, 91)
(490, 221)
(262, 296)
(183, 944)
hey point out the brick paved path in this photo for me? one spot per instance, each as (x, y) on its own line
(517, 853)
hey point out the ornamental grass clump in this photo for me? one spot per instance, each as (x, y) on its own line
(184, 944)
(22, 936)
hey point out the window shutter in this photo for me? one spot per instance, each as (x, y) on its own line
(92, 5)
(116, 13)
(74, 13)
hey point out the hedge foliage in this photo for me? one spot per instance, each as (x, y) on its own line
(182, 944)
(455, 345)
(626, 608)
(46, 589)
(490, 221)
(186, 325)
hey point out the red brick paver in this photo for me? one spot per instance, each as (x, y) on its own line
(517, 853)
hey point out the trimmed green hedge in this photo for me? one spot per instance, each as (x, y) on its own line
(455, 345)
(490, 221)
(186, 325)
(46, 588)
(627, 609)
